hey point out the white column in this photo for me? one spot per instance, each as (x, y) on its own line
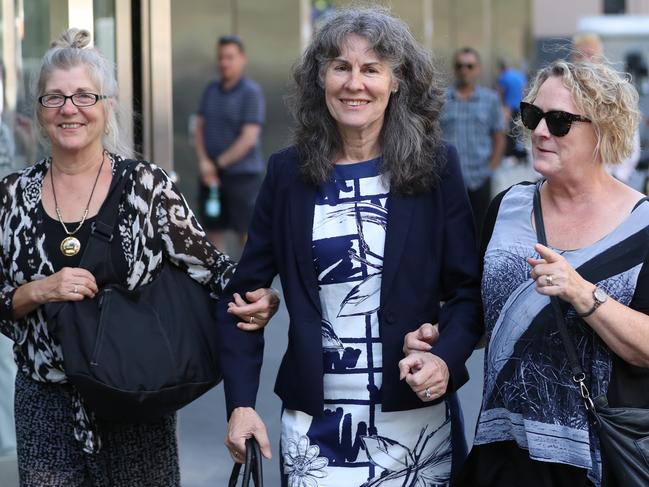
(80, 15)
(306, 26)
(159, 86)
(429, 23)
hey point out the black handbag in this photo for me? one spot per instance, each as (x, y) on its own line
(252, 467)
(136, 355)
(623, 432)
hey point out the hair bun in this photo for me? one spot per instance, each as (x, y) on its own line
(73, 38)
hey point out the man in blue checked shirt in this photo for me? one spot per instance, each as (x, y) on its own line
(473, 121)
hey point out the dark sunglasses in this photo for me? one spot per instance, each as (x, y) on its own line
(468, 66)
(558, 122)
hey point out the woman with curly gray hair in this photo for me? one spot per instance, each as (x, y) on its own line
(367, 222)
(534, 429)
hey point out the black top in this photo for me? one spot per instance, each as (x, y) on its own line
(54, 235)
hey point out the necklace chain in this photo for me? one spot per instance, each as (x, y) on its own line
(85, 212)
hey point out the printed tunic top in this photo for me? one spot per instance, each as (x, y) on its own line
(154, 221)
(529, 394)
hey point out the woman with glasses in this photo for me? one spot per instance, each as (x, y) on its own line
(367, 222)
(46, 216)
(534, 429)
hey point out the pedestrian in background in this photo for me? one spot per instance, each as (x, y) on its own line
(46, 216)
(511, 86)
(473, 122)
(367, 222)
(228, 145)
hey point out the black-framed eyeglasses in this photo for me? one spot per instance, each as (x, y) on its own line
(56, 100)
(558, 122)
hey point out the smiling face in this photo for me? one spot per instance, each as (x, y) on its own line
(357, 87)
(571, 152)
(72, 128)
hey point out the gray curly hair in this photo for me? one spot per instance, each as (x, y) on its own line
(410, 137)
(71, 50)
(604, 96)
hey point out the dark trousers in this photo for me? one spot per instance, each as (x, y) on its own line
(504, 464)
(480, 199)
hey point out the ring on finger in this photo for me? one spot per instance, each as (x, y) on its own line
(427, 393)
(76, 289)
(549, 280)
(252, 320)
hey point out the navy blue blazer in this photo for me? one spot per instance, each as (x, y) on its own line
(429, 257)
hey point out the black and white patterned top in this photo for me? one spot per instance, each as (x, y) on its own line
(154, 222)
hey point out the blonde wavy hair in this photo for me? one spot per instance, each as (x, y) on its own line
(601, 94)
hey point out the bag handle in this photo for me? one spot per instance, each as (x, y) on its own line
(578, 374)
(252, 467)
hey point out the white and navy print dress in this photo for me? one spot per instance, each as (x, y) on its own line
(353, 443)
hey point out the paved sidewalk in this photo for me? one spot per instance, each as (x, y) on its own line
(8, 472)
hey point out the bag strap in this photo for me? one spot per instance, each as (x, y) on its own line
(96, 256)
(578, 374)
(252, 466)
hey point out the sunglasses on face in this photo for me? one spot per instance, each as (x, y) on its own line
(468, 66)
(558, 122)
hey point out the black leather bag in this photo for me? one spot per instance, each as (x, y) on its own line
(623, 432)
(136, 355)
(252, 467)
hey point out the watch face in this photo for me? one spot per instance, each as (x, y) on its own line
(600, 295)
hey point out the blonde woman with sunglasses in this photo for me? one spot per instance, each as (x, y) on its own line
(534, 429)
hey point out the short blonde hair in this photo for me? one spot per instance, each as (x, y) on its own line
(604, 96)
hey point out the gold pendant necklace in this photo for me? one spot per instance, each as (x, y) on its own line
(70, 245)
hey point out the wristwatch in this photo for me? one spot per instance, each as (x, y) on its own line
(599, 298)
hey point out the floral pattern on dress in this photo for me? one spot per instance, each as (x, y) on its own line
(302, 463)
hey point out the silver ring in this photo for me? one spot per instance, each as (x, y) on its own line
(252, 320)
(427, 393)
(75, 289)
(549, 280)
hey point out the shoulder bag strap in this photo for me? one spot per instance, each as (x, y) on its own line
(96, 256)
(578, 374)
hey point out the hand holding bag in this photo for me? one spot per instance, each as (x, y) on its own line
(252, 467)
(136, 355)
(623, 432)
